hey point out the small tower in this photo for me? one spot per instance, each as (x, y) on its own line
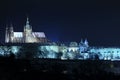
(6, 35)
(11, 33)
(86, 43)
(81, 42)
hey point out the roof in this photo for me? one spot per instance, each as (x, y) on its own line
(35, 34)
(39, 34)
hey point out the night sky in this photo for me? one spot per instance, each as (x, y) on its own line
(64, 21)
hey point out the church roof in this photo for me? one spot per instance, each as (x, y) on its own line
(39, 34)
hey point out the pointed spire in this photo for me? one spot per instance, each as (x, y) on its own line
(6, 35)
(6, 29)
(81, 41)
(86, 42)
(27, 22)
(11, 27)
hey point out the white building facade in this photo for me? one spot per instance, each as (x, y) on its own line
(27, 36)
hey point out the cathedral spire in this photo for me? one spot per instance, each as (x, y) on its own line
(11, 27)
(27, 22)
(27, 26)
(6, 35)
(11, 34)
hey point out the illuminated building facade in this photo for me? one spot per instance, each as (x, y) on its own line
(53, 50)
(27, 36)
(109, 53)
(72, 51)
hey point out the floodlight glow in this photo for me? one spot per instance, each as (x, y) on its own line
(18, 34)
(51, 55)
(15, 49)
(73, 49)
(1, 51)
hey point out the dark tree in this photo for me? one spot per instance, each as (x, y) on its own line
(28, 51)
(59, 55)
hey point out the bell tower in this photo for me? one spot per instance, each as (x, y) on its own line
(27, 30)
(28, 37)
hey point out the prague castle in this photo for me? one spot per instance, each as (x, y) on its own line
(74, 50)
(27, 36)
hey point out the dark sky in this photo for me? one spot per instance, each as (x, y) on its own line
(98, 21)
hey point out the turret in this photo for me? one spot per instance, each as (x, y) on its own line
(86, 43)
(6, 35)
(81, 41)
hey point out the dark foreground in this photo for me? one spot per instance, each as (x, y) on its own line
(48, 69)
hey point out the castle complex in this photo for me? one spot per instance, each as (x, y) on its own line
(74, 50)
(27, 36)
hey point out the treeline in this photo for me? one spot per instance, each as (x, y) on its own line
(46, 69)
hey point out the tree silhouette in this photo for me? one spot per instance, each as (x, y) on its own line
(59, 55)
(28, 51)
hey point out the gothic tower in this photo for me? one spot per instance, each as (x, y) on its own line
(27, 30)
(28, 37)
(86, 43)
(81, 42)
(11, 33)
(7, 35)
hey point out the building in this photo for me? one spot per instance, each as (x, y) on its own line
(71, 51)
(84, 46)
(108, 53)
(27, 36)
